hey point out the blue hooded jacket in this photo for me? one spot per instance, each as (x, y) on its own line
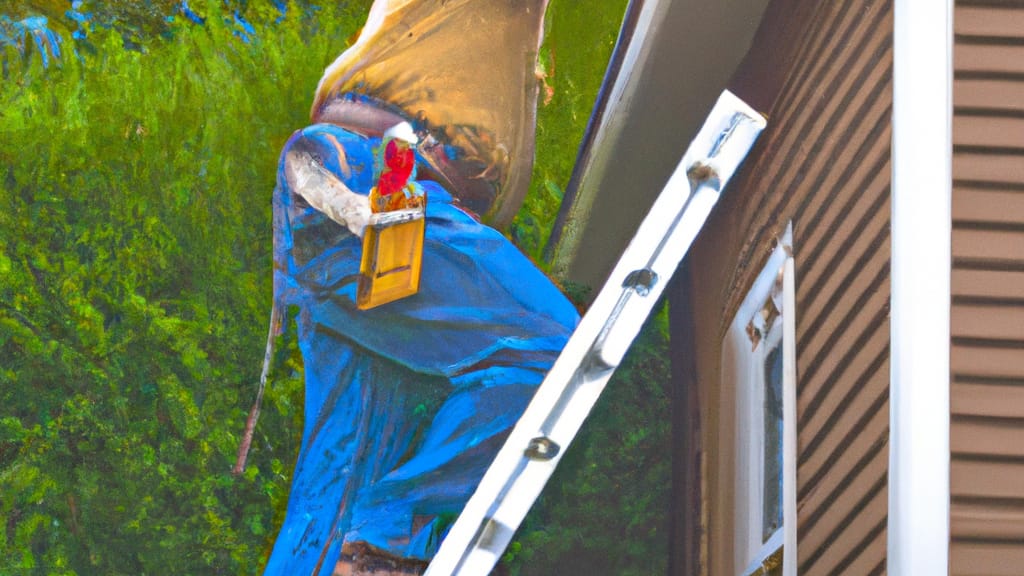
(406, 404)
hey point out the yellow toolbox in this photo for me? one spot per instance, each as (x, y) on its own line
(392, 257)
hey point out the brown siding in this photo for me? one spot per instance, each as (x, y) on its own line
(841, 235)
(824, 163)
(987, 355)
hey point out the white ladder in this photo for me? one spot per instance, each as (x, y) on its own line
(565, 397)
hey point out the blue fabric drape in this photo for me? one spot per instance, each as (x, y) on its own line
(406, 404)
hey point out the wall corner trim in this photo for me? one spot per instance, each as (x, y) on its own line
(919, 452)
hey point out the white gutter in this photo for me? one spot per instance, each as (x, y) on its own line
(918, 530)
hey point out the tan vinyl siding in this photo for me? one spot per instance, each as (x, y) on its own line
(833, 167)
(987, 354)
(824, 163)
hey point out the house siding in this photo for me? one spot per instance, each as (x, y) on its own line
(836, 167)
(987, 316)
(824, 164)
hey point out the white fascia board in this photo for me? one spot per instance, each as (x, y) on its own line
(918, 529)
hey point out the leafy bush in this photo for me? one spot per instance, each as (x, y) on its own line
(578, 42)
(135, 242)
(604, 511)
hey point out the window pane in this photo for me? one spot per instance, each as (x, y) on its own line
(772, 518)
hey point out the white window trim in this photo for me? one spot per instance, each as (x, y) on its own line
(789, 432)
(748, 550)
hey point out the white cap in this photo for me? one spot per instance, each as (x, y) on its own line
(402, 131)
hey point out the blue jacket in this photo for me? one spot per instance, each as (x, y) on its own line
(407, 403)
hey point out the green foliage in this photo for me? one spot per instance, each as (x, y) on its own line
(579, 38)
(135, 242)
(604, 511)
(135, 268)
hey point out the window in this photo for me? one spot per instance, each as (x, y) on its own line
(758, 363)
